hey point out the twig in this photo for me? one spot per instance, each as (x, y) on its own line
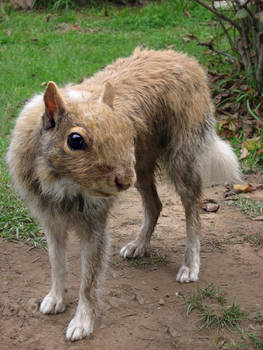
(210, 46)
(227, 34)
(224, 29)
(218, 14)
(259, 72)
(35, 260)
(254, 30)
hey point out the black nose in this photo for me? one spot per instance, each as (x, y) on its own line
(121, 185)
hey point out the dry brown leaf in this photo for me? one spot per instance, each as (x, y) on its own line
(188, 14)
(185, 39)
(244, 153)
(210, 205)
(23, 4)
(251, 144)
(244, 188)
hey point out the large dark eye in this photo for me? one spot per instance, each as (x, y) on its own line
(76, 141)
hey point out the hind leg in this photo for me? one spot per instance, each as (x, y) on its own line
(188, 184)
(189, 269)
(152, 207)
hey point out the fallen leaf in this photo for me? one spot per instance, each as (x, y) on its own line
(23, 4)
(190, 36)
(210, 205)
(188, 14)
(244, 188)
(244, 153)
(172, 331)
(139, 299)
(48, 16)
(185, 39)
(251, 144)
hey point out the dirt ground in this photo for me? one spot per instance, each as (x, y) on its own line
(144, 305)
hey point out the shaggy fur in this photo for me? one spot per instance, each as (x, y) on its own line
(152, 107)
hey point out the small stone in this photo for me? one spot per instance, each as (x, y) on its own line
(33, 305)
(114, 302)
(161, 302)
(114, 274)
(172, 331)
(139, 298)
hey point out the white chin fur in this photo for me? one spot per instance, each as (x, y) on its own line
(61, 188)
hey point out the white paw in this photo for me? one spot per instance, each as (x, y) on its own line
(134, 249)
(187, 274)
(52, 304)
(80, 327)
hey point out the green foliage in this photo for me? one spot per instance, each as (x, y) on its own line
(250, 207)
(242, 26)
(220, 316)
(15, 223)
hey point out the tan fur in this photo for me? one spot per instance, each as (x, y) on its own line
(151, 107)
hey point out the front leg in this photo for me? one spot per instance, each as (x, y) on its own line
(54, 301)
(93, 258)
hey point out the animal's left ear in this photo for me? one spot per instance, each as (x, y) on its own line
(54, 104)
(107, 95)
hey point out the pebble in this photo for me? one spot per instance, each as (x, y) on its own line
(139, 298)
(33, 305)
(172, 331)
(161, 302)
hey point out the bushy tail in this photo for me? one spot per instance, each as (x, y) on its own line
(218, 163)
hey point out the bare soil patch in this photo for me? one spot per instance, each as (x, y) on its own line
(144, 306)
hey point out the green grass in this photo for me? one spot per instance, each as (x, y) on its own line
(15, 222)
(250, 207)
(210, 304)
(256, 341)
(155, 257)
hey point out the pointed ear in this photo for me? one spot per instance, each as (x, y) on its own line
(54, 105)
(107, 95)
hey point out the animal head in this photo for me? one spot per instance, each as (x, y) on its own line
(87, 143)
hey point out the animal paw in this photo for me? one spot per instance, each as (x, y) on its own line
(80, 327)
(187, 274)
(134, 249)
(52, 304)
